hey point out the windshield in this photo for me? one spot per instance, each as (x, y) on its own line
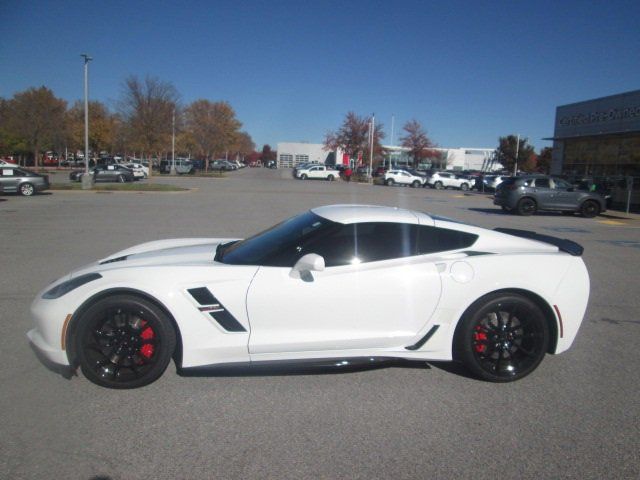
(271, 246)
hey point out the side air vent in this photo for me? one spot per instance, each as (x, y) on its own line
(216, 310)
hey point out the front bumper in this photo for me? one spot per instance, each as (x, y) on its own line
(51, 352)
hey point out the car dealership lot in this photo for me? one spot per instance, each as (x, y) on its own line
(575, 417)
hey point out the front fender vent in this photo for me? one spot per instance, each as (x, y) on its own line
(210, 304)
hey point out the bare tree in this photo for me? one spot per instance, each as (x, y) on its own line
(36, 117)
(353, 137)
(147, 107)
(417, 141)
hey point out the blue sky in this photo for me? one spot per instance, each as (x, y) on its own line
(468, 71)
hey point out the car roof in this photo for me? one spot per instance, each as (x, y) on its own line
(371, 213)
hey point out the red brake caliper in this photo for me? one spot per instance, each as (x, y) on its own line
(479, 336)
(147, 334)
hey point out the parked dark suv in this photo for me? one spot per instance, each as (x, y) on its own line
(527, 194)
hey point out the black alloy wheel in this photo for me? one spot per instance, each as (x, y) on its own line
(124, 342)
(526, 207)
(303, 176)
(438, 185)
(502, 337)
(590, 209)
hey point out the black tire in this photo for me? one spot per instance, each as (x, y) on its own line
(124, 341)
(415, 184)
(590, 209)
(121, 179)
(464, 187)
(502, 337)
(438, 185)
(527, 206)
(390, 182)
(330, 178)
(26, 189)
(506, 209)
(303, 176)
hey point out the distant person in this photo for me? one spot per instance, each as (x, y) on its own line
(347, 174)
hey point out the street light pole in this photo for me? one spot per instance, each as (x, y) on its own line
(373, 130)
(86, 178)
(173, 142)
(515, 164)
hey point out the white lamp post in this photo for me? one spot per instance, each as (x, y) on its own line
(86, 178)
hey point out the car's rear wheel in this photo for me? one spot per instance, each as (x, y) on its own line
(464, 187)
(590, 209)
(527, 206)
(390, 182)
(415, 184)
(124, 341)
(303, 176)
(26, 189)
(438, 186)
(330, 178)
(502, 337)
(121, 179)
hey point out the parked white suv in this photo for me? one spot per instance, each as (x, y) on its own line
(403, 177)
(317, 171)
(440, 180)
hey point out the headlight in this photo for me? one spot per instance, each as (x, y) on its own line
(66, 287)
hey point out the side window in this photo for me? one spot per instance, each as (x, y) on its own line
(562, 184)
(364, 242)
(542, 183)
(434, 239)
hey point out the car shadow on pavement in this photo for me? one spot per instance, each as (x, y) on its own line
(286, 368)
(499, 211)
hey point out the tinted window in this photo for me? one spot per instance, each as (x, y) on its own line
(560, 183)
(543, 183)
(434, 239)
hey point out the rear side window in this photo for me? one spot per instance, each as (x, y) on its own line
(434, 239)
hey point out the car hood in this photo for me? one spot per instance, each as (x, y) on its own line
(178, 251)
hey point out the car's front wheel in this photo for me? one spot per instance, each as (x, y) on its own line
(121, 179)
(415, 184)
(303, 176)
(464, 187)
(502, 337)
(390, 182)
(590, 209)
(438, 186)
(330, 178)
(124, 341)
(27, 189)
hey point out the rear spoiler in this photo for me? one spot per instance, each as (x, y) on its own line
(563, 244)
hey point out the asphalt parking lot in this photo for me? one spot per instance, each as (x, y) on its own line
(576, 416)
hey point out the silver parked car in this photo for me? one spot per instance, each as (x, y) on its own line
(22, 181)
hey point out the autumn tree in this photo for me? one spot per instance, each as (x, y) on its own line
(102, 127)
(35, 117)
(417, 141)
(268, 154)
(353, 137)
(213, 127)
(544, 160)
(507, 148)
(243, 144)
(147, 108)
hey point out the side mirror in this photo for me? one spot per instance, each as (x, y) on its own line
(310, 262)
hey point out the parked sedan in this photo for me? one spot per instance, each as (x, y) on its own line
(527, 194)
(22, 181)
(106, 173)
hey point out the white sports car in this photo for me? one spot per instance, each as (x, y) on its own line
(343, 282)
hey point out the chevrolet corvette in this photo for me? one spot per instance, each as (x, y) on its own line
(339, 282)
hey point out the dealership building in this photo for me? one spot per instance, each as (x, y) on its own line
(291, 154)
(600, 139)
